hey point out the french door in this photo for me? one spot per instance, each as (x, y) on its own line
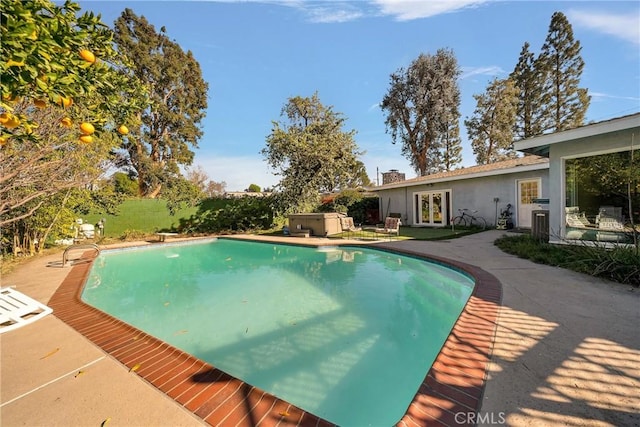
(431, 208)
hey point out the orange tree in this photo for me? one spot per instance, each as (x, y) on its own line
(65, 93)
(51, 56)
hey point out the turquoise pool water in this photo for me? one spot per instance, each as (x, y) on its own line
(346, 334)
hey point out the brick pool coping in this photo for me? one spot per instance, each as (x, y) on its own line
(453, 385)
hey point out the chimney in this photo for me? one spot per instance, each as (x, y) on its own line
(392, 176)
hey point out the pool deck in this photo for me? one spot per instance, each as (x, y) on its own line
(566, 351)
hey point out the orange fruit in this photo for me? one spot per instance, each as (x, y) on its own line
(87, 139)
(87, 128)
(88, 56)
(66, 122)
(65, 102)
(123, 130)
(9, 98)
(4, 117)
(10, 121)
(3, 140)
(39, 103)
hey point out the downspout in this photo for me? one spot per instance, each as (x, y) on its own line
(629, 194)
(406, 205)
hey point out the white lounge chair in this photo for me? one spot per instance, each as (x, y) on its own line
(577, 219)
(17, 309)
(611, 230)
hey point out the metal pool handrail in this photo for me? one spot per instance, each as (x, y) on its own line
(83, 246)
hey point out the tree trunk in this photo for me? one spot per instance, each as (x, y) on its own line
(154, 193)
(53, 222)
(17, 247)
(139, 167)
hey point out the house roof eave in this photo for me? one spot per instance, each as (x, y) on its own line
(539, 145)
(505, 171)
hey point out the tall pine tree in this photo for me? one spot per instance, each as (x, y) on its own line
(449, 146)
(528, 81)
(491, 127)
(448, 142)
(565, 104)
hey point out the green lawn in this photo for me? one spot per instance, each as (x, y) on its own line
(406, 233)
(144, 215)
(147, 216)
(427, 233)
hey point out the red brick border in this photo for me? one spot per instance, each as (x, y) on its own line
(454, 383)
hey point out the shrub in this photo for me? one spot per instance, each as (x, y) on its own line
(341, 202)
(365, 210)
(620, 264)
(124, 184)
(243, 214)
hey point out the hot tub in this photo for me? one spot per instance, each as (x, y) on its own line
(320, 224)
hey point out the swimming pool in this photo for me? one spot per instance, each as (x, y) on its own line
(344, 333)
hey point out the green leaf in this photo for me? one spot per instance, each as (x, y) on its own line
(41, 85)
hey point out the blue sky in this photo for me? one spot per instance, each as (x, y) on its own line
(257, 54)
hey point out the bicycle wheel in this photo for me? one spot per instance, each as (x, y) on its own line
(459, 221)
(480, 222)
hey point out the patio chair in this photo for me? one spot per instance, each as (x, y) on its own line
(611, 212)
(611, 229)
(391, 227)
(610, 224)
(347, 225)
(577, 219)
(17, 309)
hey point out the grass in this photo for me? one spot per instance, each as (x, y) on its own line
(406, 233)
(620, 264)
(427, 233)
(139, 218)
(143, 216)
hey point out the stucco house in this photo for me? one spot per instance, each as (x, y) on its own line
(580, 176)
(588, 184)
(434, 200)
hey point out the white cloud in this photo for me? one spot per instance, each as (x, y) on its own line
(327, 15)
(607, 96)
(336, 11)
(238, 172)
(492, 70)
(324, 12)
(406, 10)
(625, 27)
(374, 107)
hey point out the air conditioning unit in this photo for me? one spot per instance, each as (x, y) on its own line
(540, 225)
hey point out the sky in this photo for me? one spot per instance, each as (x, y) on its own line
(255, 55)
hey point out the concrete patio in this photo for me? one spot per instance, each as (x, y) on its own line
(566, 352)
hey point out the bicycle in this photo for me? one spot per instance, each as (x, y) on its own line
(468, 218)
